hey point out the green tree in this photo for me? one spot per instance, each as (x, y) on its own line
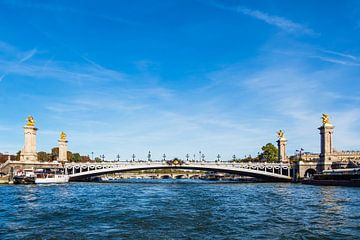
(43, 157)
(18, 155)
(76, 157)
(269, 153)
(69, 156)
(97, 159)
(54, 153)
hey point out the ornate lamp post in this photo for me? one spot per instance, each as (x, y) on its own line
(203, 157)
(234, 158)
(218, 157)
(133, 157)
(187, 157)
(118, 157)
(92, 156)
(300, 153)
(149, 156)
(164, 157)
(102, 157)
(200, 156)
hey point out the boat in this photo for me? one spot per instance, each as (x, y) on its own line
(50, 175)
(336, 177)
(24, 176)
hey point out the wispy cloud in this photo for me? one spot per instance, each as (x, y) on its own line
(293, 93)
(17, 63)
(338, 58)
(277, 21)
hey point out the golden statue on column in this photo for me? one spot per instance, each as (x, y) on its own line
(280, 134)
(30, 121)
(325, 119)
(62, 136)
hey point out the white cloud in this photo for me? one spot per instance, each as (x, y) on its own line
(277, 21)
(17, 63)
(293, 93)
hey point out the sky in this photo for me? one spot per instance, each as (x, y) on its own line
(179, 76)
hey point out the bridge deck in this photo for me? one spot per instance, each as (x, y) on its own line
(271, 171)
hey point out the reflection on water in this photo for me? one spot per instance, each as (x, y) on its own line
(178, 209)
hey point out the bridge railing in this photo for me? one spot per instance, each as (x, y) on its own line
(274, 168)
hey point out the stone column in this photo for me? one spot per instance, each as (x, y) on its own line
(63, 148)
(28, 153)
(282, 147)
(326, 143)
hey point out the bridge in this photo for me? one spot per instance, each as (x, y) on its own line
(267, 171)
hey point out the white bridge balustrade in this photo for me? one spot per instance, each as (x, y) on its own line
(269, 171)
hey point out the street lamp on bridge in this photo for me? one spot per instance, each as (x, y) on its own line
(299, 152)
(218, 157)
(118, 157)
(149, 156)
(164, 157)
(187, 157)
(133, 157)
(234, 157)
(102, 157)
(203, 157)
(92, 156)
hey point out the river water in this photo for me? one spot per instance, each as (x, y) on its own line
(179, 209)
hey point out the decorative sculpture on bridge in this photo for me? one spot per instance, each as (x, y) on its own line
(282, 146)
(280, 134)
(30, 121)
(62, 136)
(63, 147)
(326, 143)
(28, 152)
(325, 119)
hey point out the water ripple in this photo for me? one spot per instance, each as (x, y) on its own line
(179, 210)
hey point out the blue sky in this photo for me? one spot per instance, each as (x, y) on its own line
(179, 76)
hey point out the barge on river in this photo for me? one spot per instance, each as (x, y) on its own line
(336, 177)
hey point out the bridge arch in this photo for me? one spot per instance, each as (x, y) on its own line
(309, 173)
(273, 172)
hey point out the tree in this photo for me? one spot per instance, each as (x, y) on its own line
(69, 156)
(54, 153)
(269, 153)
(18, 155)
(97, 159)
(76, 157)
(43, 157)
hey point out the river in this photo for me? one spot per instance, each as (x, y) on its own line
(179, 209)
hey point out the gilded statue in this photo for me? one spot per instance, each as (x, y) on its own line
(325, 118)
(30, 121)
(62, 136)
(280, 134)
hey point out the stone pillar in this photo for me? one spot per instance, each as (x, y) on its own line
(28, 153)
(326, 143)
(282, 147)
(63, 148)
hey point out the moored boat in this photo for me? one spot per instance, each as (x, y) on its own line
(24, 176)
(336, 177)
(50, 175)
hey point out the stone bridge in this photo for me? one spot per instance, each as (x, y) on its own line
(267, 171)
